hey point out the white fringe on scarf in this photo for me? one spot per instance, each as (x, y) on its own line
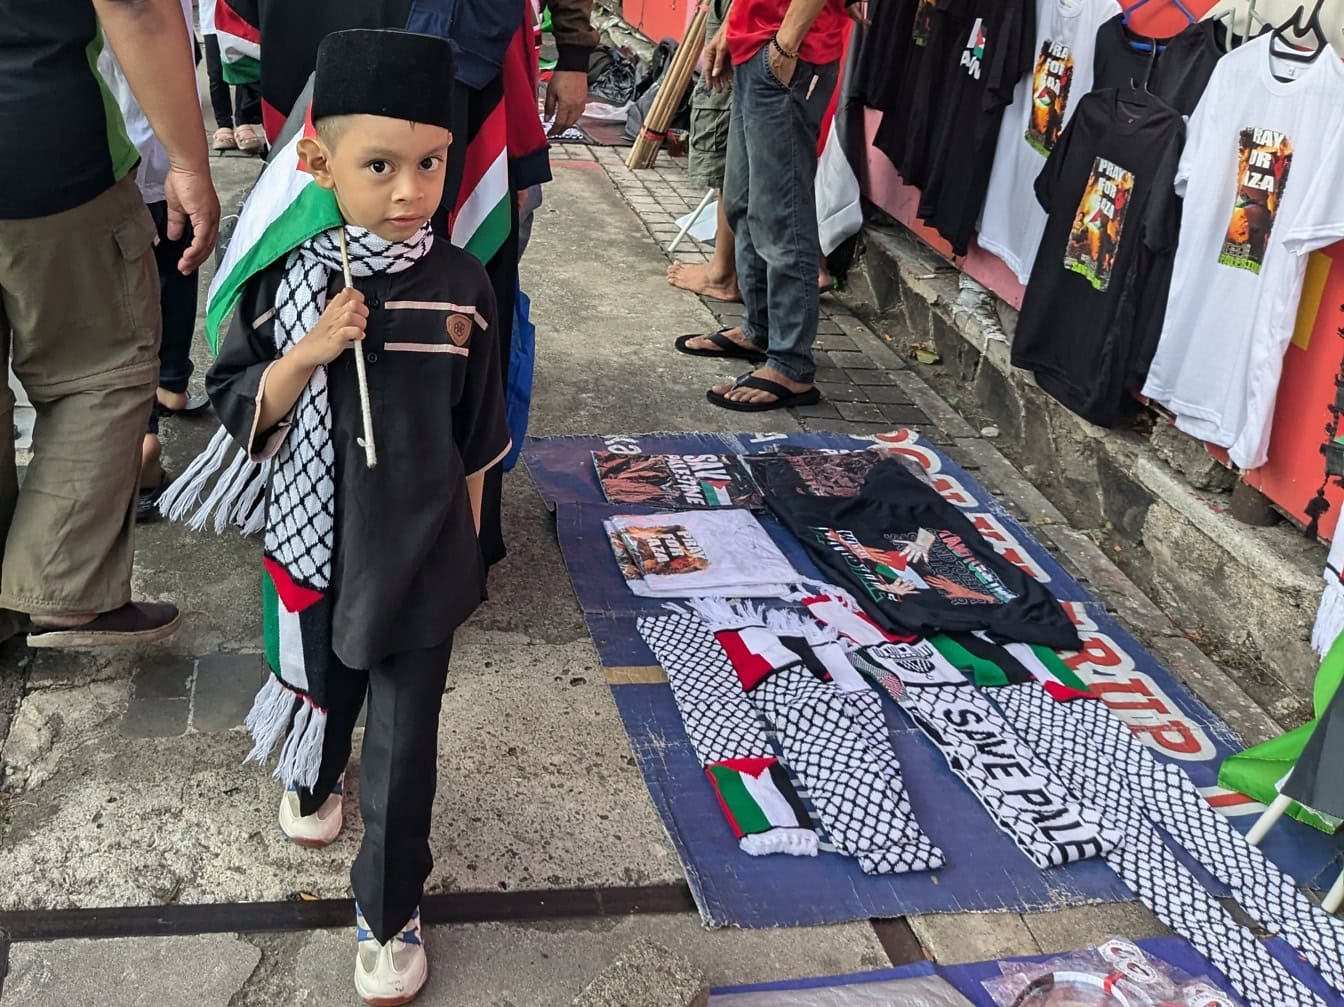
(794, 842)
(273, 717)
(721, 615)
(223, 483)
(785, 622)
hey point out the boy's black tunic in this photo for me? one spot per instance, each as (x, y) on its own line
(407, 569)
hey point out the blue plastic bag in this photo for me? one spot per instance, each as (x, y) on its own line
(522, 359)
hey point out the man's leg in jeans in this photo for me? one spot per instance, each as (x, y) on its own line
(81, 295)
(750, 271)
(398, 772)
(780, 131)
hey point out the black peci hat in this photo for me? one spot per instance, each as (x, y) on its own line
(398, 74)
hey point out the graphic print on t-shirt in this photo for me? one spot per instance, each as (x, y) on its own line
(911, 562)
(1095, 236)
(677, 481)
(1049, 96)
(668, 549)
(923, 27)
(974, 53)
(1264, 157)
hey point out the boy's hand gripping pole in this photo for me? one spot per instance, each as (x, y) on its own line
(365, 409)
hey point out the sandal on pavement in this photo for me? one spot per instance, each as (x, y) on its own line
(249, 141)
(784, 397)
(726, 347)
(197, 403)
(135, 622)
(223, 140)
(147, 504)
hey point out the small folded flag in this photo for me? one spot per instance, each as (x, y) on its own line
(762, 806)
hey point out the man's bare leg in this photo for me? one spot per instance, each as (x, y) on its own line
(716, 278)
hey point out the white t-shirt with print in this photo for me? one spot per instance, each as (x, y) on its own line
(1254, 151)
(1012, 222)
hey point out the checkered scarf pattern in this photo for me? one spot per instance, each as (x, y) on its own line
(1117, 774)
(301, 518)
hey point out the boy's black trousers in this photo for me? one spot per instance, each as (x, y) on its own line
(398, 772)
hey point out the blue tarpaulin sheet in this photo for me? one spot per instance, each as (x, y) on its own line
(985, 870)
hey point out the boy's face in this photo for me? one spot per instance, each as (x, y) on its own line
(388, 174)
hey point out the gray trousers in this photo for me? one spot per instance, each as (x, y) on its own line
(398, 776)
(770, 202)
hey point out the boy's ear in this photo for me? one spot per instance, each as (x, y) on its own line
(316, 160)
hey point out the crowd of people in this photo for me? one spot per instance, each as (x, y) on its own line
(98, 296)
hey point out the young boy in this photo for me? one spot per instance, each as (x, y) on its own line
(369, 570)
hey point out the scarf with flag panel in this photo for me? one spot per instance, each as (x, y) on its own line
(730, 740)
(851, 775)
(1019, 792)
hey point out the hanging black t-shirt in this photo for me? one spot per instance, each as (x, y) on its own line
(1104, 264)
(1178, 73)
(883, 49)
(917, 565)
(994, 52)
(906, 131)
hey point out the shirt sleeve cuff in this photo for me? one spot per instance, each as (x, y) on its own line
(493, 462)
(263, 444)
(572, 57)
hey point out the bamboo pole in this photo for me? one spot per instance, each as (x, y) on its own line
(675, 81)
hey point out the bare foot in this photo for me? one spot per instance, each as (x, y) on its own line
(698, 278)
(732, 393)
(174, 401)
(734, 335)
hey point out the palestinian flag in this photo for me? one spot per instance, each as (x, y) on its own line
(287, 207)
(991, 665)
(239, 41)
(839, 212)
(762, 806)
(716, 492)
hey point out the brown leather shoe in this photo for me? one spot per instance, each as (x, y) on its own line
(133, 623)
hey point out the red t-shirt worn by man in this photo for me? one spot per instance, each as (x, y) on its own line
(752, 23)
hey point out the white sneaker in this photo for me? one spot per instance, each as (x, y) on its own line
(318, 829)
(390, 974)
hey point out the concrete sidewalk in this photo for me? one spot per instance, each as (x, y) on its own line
(124, 785)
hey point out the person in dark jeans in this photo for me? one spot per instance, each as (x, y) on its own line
(237, 114)
(177, 304)
(785, 61)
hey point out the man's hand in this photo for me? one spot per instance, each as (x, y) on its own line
(341, 326)
(191, 196)
(718, 74)
(783, 67)
(566, 95)
(858, 12)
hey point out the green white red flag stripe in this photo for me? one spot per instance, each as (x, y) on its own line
(483, 217)
(239, 45)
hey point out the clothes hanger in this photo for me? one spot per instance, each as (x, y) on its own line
(1292, 50)
(1178, 4)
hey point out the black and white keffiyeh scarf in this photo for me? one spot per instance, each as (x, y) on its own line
(299, 489)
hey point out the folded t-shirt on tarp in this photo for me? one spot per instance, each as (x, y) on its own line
(917, 565)
(715, 553)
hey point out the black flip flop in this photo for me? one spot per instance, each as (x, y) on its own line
(727, 348)
(147, 504)
(784, 398)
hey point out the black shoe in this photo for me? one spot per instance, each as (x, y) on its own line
(133, 623)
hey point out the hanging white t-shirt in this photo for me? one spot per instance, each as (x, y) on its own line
(1255, 147)
(1012, 222)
